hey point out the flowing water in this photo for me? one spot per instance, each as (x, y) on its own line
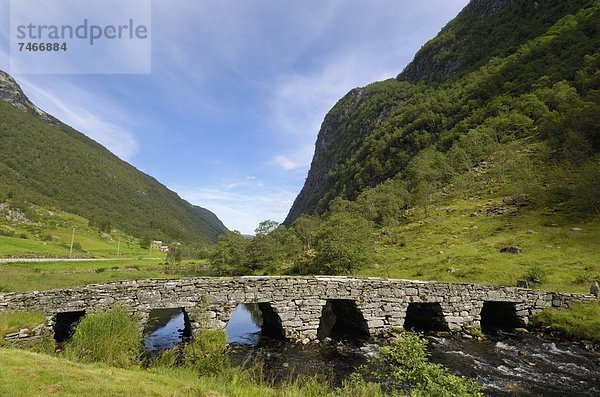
(507, 364)
(526, 365)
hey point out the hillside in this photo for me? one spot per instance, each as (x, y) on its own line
(47, 163)
(502, 72)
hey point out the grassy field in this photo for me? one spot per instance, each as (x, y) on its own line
(49, 232)
(580, 321)
(30, 374)
(460, 242)
(43, 276)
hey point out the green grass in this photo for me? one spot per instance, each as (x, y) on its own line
(49, 275)
(580, 321)
(30, 374)
(26, 374)
(11, 322)
(452, 245)
(104, 341)
(112, 337)
(50, 236)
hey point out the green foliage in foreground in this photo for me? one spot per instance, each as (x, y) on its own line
(405, 362)
(580, 321)
(111, 337)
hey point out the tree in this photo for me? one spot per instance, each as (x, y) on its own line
(266, 227)
(343, 243)
(175, 254)
(229, 254)
(588, 188)
(145, 242)
(385, 203)
(273, 245)
(428, 172)
(101, 224)
(305, 227)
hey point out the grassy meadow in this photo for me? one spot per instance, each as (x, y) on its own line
(461, 243)
(47, 233)
(49, 275)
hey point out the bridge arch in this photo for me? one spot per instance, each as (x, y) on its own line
(425, 317)
(65, 324)
(341, 320)
(500, 315)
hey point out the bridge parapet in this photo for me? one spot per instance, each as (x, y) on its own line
(300, 302)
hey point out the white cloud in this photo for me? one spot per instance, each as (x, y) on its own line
(242, 208)
(96, 117)
(299, 101)
(285, 163)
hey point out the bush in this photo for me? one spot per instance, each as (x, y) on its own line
(405, 364)
(206, 353)
(112, 337)
(535, 275)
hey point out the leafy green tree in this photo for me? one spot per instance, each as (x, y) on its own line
(145, 241)
(273, 246)
(588, 188)
(305, 227)
(385, 203)
(229, 254)
(343, 243)
(175, 254)
(266, 227)
(428, 172)
(101, 224)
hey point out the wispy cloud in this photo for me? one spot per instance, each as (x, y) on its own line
(93, 115)
(242, 207)
(285, 163)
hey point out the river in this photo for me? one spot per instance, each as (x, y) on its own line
(506, 363)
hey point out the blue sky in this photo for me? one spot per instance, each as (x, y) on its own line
(229, 115)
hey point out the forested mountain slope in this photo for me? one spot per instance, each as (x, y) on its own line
(45, 162)
(502, 72)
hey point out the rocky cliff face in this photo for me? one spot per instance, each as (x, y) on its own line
(11, 92)
(343, 131)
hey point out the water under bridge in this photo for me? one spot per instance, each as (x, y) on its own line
(301, 308)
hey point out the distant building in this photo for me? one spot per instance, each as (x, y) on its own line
(156, 244)
(164, 248)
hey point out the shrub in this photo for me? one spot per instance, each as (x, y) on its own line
(535, 275)
(405, 364)
(206, 353)
(112, 337)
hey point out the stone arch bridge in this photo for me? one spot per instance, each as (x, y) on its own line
(302, 308)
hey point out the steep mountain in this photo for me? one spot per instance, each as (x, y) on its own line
(48, 163)
(502, 71)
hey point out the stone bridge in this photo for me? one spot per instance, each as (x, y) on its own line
(301, 308)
